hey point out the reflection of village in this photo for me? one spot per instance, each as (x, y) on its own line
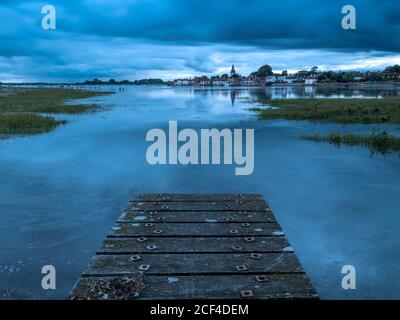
(286, 92)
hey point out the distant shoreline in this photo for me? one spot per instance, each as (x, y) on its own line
(331, 84)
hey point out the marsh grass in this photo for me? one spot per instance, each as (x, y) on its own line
(27, 123)
(21, 109)
(345, 111)
(378, 141)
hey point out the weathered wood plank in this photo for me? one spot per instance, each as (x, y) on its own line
(196, 216)
(166, 197)
(199, 206)
(199, 247)
(180, 264)
(286, 286)
(193, 229)
(188, 245)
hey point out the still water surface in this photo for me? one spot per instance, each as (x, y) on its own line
(61, 192)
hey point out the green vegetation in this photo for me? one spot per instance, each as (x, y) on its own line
(19, 108)
(343, 111)
(263, 71)
(26, 123)
(378, 141)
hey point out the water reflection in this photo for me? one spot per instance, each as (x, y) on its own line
(61, 192)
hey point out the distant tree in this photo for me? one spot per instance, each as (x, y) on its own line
(314, 70)
(225, 76)
(392, 69)
(284, 73)
(263, 71)
(112, 81)
(303, 73)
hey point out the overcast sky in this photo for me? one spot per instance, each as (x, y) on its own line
(134, 39)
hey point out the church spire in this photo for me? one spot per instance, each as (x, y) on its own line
(233, 71)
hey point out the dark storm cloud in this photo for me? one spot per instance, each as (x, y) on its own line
(134, 38)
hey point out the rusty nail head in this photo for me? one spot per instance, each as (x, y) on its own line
(246, 294)
(237, 248)
(241, 268)
(261, 278)
(255, 256)
(141, 239)
(233, 231)
(158, 231)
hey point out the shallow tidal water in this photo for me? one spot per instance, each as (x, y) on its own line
(61, 192)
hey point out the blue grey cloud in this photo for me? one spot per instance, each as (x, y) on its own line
(138, 38)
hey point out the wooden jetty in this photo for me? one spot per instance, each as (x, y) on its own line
(198, 246)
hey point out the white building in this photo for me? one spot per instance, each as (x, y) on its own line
(310, 81)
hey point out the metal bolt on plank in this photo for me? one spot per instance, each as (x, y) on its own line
(144, 267)
(245, 224)
(141, 239)
(262, 278)
(241, 268)
(233, 231)
(147, 225)
(158, 231)
(151, 247)
(134, 258)
(249, 239)
(246, 294)
(237, 248)
(255, 256)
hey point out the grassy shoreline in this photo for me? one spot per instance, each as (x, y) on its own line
(378, 142)
(21, 109)
(344, 111)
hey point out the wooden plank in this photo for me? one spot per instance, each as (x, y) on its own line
(195, 246)
(187, 245)
(286, 286)
(198, 206)
(193, 229)
(167, 197)
(197, 216)
(180, 264)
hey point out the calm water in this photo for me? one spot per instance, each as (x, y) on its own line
(61, 192)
